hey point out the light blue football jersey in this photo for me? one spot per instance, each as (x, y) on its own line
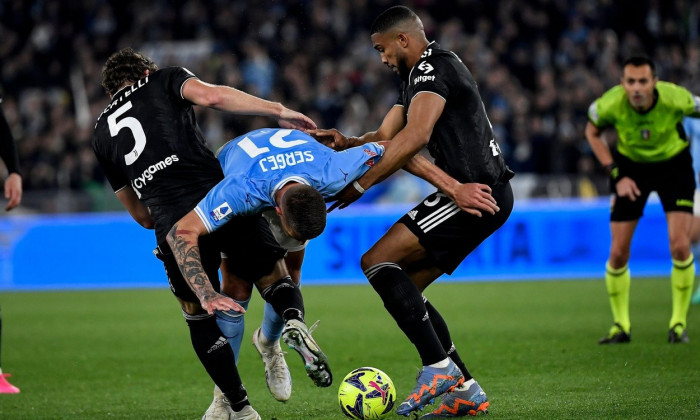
(259, 163)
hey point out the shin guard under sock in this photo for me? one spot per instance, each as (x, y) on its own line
(285, 298)
(443, 333)
(217, 357)
(405, 304)
(272, 324)
(617, 282)
(682, 277)
(232, 325)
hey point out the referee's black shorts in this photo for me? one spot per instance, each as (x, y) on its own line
(673, 180)
(449, 234)
(248, 243)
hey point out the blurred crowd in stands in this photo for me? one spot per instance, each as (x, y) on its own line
(539, 65)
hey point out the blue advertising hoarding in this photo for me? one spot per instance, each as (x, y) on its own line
(542, 239)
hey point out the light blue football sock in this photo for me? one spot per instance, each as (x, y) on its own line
(232, 326)
(272, 324)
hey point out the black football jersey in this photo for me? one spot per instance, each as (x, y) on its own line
(462, 142)
(148, 139)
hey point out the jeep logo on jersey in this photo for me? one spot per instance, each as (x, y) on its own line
(221, 212)
(425, 67)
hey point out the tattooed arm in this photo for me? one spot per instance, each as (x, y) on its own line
(183, 239)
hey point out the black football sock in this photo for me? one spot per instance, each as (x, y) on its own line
(285, 298)
(443, 333)
(216, 356)
(405, 304)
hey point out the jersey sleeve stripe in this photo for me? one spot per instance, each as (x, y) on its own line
(204, 219)
(119, 189)
(428, 91)
(183, 84)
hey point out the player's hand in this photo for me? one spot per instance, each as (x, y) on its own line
(218, 302)
(295, 120)
(626, 187)
(13, 191)
(330, 137)
(474, 199)
(344, 198)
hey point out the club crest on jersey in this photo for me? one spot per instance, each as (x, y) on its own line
(221, 212)
(646, 134)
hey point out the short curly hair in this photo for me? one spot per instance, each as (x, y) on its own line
(123, 67)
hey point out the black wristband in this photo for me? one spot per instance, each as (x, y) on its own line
(613, 172)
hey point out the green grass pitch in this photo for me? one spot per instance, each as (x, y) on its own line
(531, 345)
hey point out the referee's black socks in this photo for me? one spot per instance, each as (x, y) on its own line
(405, 304)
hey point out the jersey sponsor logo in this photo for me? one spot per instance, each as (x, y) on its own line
(412, 214)
(282, 160)
(646, 134)
(423, 79)
(425, 67)
(221, 212)
(148, 174)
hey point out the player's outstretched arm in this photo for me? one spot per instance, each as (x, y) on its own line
(470, 197)
(424, 112)
(183, 239)
(392, 124)
(228, 99)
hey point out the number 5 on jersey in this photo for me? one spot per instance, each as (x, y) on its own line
(136, 130)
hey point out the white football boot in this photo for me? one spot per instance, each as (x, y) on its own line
(220, 408)
(277, 376)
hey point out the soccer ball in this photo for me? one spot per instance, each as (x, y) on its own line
(366, 393)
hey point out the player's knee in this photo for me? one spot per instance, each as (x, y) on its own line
(369, 259)
(236, 288)
(680, 249)
(618, 257)
(191, 308)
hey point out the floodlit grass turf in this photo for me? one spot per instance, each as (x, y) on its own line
(531, 345)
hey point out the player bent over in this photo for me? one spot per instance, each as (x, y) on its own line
(285, 174)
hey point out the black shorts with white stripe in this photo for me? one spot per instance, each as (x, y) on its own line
(449, 234)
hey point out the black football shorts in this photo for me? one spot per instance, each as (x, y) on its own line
(246, 240)
(449, 234)
(673, 181)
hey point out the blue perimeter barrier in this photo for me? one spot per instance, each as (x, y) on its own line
(542, 239)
